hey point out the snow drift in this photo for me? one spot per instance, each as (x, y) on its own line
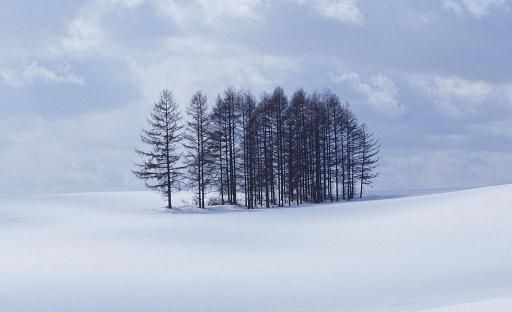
(120, 252)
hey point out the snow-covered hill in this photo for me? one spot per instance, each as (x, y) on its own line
(120, 252)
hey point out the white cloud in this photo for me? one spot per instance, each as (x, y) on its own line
(346, 11)
(458, 87)
(86, 34)
(477, 8)
(230, 8)
(380, 91)
(454, 95)
(10, 77)
(499, 128)
(343, 10)
(34, 72)
(213, 14)
(187, 63)
(508, 91)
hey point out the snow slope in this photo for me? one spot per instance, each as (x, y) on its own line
(120, 252)
(498, 304)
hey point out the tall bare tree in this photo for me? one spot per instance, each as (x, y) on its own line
(197, 145)
(225, 136)
(159, 168)
(369, 159)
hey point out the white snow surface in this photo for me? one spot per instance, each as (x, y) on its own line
(493, 305)
(121, 252)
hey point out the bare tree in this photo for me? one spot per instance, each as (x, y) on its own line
(369, 160)
(159, 168)
(273, 151)
(197, 145)
(225, 134)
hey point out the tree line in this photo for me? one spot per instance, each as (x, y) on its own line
(274, 151)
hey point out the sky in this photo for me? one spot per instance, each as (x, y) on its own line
(431, 79)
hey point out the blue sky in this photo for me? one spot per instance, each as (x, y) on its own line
(432, 79)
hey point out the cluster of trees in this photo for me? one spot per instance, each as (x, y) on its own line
(274, 151)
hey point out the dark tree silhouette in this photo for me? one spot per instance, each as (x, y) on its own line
(225, 143)
(270, 152)
(159, 168)
(198, 158)
(310, 149)
(369, 151)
